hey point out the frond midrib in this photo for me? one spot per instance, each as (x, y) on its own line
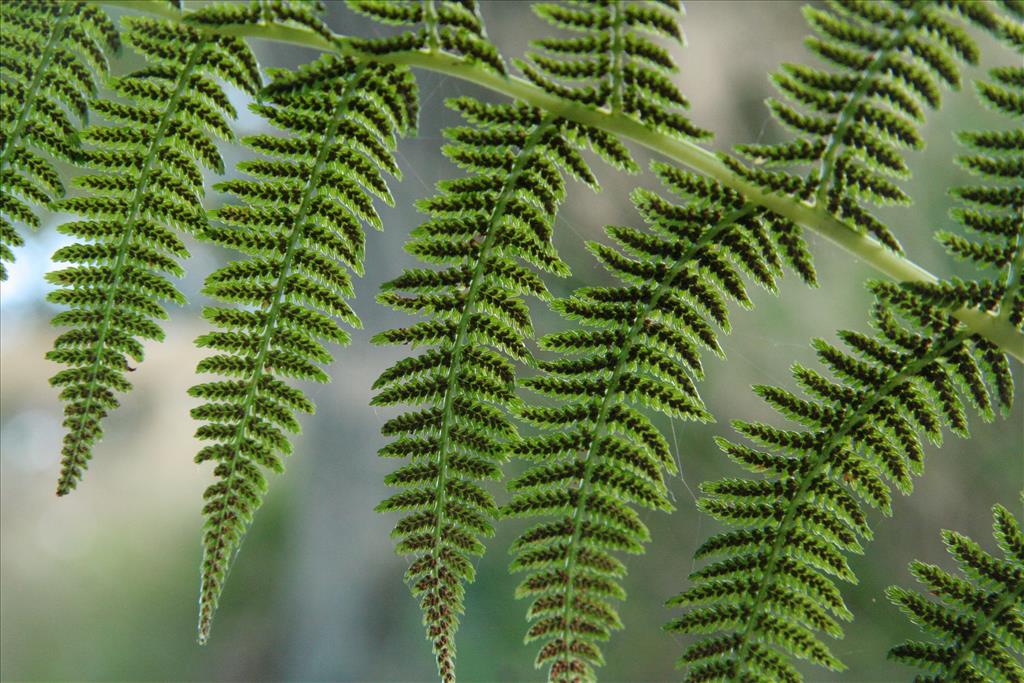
(601, 422)
(68, 479)
(309, 193)
(459, 345)
(809, 476)
(42, 69)
(690, 154)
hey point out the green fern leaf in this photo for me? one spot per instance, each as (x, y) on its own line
(638, 348)
(978, 622)
(299, 226)
(484, 230)
(146, 187)
(50, 55)
(610, 61)
(793, 526)
(855, 122)
(451, 26)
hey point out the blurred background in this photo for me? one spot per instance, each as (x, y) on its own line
(102, 585)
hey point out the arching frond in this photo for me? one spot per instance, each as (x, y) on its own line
(488, 231)
(50, 56)
(146, 188)
(453, 26)
(612, 61)
(855, 121)
(769, 589)
(300, 225)
(977, 623)
(637, 349)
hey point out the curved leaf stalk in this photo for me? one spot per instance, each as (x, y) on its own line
(816, 218)
(222, 535)
(82, 433)
(569, 667)
(855, 120)
(796, 524)
(453, 28)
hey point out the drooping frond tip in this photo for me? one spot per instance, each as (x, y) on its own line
(50, 56)
(636, 349)
(976, 624)
(146, 188)
(489, 232)
(300, 227)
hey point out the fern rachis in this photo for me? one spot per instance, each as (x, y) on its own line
(221, 505)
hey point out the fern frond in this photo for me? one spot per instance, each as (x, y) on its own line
(771, 587)
(490, 231)
(977, 623)
(611, 61)
(50, 56)
(637, 349)
(146, 187)
(794, 523)
(856, 120)
(451, 26)
(300, 225)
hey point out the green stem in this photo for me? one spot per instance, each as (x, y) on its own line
(814, 218)
(68, 477)
(611, 395)
(56, 35)
(208, 595)
(848, 115)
